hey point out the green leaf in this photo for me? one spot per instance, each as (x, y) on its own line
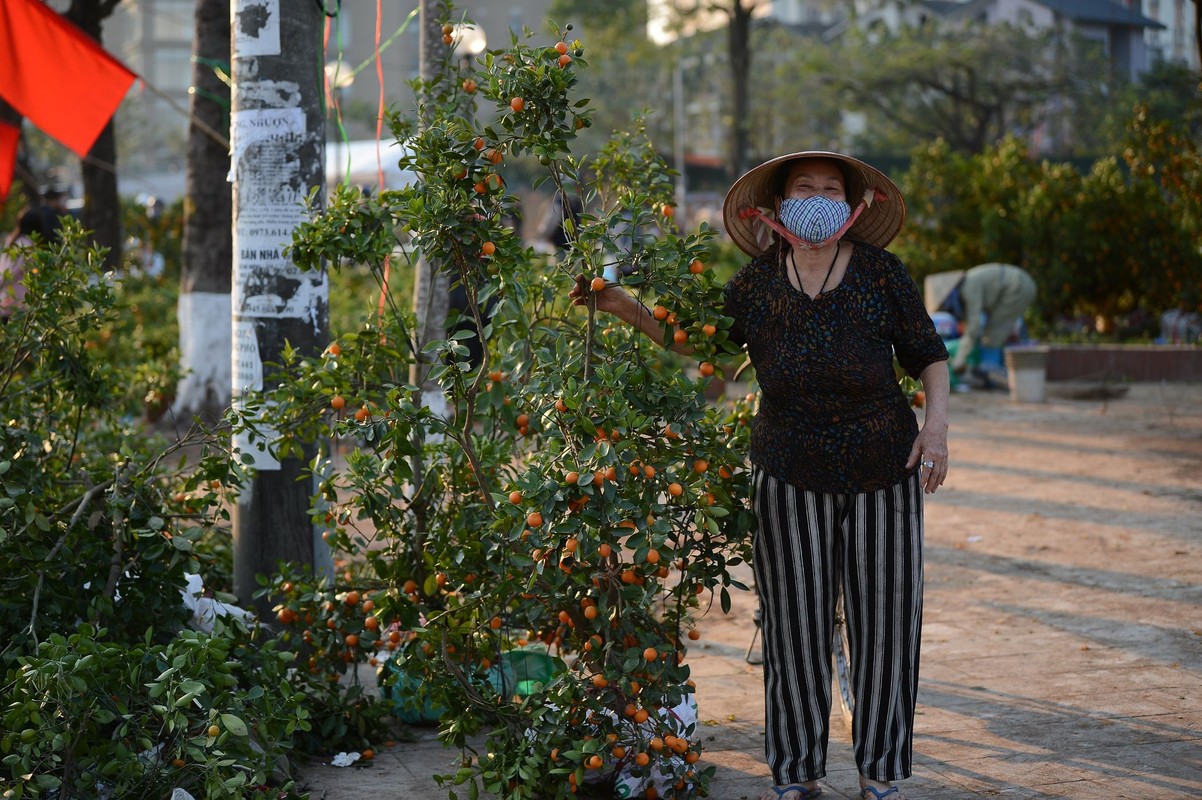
(194, 687)
(234, 724)
(235, 781)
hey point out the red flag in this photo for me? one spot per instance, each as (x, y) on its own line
(10, 135)
(56, 76)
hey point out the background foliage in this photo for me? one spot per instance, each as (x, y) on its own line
(1119, 239)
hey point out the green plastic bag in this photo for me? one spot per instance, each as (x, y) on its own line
(532, 668)
(521, 672)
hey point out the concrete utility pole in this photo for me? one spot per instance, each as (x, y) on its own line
(432, 286)
(277, 136)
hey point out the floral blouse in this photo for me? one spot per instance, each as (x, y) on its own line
(832, 417)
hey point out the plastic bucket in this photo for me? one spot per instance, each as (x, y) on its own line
(1027, 369)
(409, 703)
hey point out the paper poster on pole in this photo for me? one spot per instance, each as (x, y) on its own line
(271, 194)
(256, 26)
(248, 377)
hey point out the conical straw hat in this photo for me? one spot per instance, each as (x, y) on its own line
(877, 224)
(937, 286)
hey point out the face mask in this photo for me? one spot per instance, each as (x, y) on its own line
(764, 216)
(815, 219)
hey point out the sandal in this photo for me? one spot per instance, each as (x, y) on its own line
(803, 792)
(892, 791)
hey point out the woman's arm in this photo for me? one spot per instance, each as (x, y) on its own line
(626, 307)
(931, 444)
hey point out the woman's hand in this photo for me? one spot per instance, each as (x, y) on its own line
(612, 299)
(929, 452)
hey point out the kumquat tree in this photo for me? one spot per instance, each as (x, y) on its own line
(525, 567)
(113, 682)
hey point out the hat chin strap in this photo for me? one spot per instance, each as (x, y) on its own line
(870, 195)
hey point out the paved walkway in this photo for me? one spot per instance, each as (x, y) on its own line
(1062, 647)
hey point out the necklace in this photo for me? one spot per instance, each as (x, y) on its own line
(829, 270)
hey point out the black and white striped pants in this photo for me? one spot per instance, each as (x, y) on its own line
(807, 542)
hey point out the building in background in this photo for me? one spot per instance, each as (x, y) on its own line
(1119, 31)
(1176, 42)
(1137, 34)
(807, 14)
(352, 38)
(154, 38)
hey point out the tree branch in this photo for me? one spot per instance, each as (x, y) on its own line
(110, 584)
(81, 505)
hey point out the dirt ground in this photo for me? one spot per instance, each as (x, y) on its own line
(1062, 646)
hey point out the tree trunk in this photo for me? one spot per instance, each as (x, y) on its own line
(739, 48)
(101, 207)
(1198, 28)
(101, 210)
(204, 300)
(431, 285)
(278, 141)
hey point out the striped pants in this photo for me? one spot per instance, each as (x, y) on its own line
(806, 545)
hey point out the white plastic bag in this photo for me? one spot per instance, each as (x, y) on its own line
(206, 610)
(680, 721)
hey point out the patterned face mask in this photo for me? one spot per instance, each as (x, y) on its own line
(814, 219)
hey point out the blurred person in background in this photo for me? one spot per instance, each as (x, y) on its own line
(31, 230)
(989, 300)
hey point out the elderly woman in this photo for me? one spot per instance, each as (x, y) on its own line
(839, 464)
